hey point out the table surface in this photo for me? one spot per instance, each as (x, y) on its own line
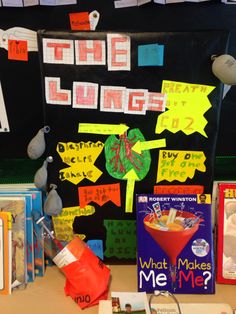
(46, 294)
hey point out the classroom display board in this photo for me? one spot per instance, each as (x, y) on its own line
(127, 112)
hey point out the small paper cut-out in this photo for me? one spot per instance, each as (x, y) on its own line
(99, 194)
(151, 55)
(97, 247)
(17, 50)
(79, 21)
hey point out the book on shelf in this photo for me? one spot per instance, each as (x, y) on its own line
(5, 253)
(226, 234)
(175, 243)
(37, 212)
(29, 231)
(17, 208)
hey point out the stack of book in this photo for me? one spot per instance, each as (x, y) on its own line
(22, 254)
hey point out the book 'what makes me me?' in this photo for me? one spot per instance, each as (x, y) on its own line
(175, 243)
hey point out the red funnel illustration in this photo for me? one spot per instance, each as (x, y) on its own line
(172, 242)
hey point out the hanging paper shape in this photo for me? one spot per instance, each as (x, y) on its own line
(224, 68)
(37, 145)
(53, 204)
(41, 175)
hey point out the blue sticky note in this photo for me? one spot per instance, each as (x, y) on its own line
(150, 55)
(97, 247)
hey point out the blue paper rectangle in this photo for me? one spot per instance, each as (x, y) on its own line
(150, 55)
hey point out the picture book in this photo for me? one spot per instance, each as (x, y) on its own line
(37, 212)
(175, 243)
(129, 302)
(226, 235)
(16, 206)
(29, 231)
(5, 253)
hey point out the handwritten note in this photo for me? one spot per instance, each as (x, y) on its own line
(178, 189)
(187, 104)
(63, 222)
(179, 165)
(121, 238)
(99, 194)
(17, 50)
(80, 157)
(79, 21)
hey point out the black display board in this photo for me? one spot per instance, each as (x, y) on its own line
(21, 80)
(170, 107)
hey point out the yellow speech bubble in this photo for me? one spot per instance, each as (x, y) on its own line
(63, 223)
(187, 104)
(80, 157)
(179, 165)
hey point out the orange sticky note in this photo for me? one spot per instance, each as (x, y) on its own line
(99, 194)
(79, 21)
(17, 50)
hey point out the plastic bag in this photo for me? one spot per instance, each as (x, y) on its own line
(87, 277)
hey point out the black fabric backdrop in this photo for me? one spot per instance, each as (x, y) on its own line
(187, 57)
(21, 80)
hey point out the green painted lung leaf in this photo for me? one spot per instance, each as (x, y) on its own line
(120, 158)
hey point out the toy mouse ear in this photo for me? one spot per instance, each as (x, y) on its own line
(37, 145)
(41, 175)
(224, 68)
(53, 204)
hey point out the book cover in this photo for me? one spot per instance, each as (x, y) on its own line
(5, 253)
(129, 302)
(37, 212)
(226, 235)
(29, 231)
(175, 243)
(16, 206)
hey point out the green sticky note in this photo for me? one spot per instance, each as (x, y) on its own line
(121, 238)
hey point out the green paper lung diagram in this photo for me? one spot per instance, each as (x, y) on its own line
(120, 158)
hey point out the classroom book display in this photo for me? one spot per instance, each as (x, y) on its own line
(175, 243)
(22, 253)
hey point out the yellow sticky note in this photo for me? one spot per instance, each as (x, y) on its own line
(179, 165)
(186, 105)
(63, 223)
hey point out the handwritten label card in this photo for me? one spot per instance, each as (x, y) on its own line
(17, 50)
